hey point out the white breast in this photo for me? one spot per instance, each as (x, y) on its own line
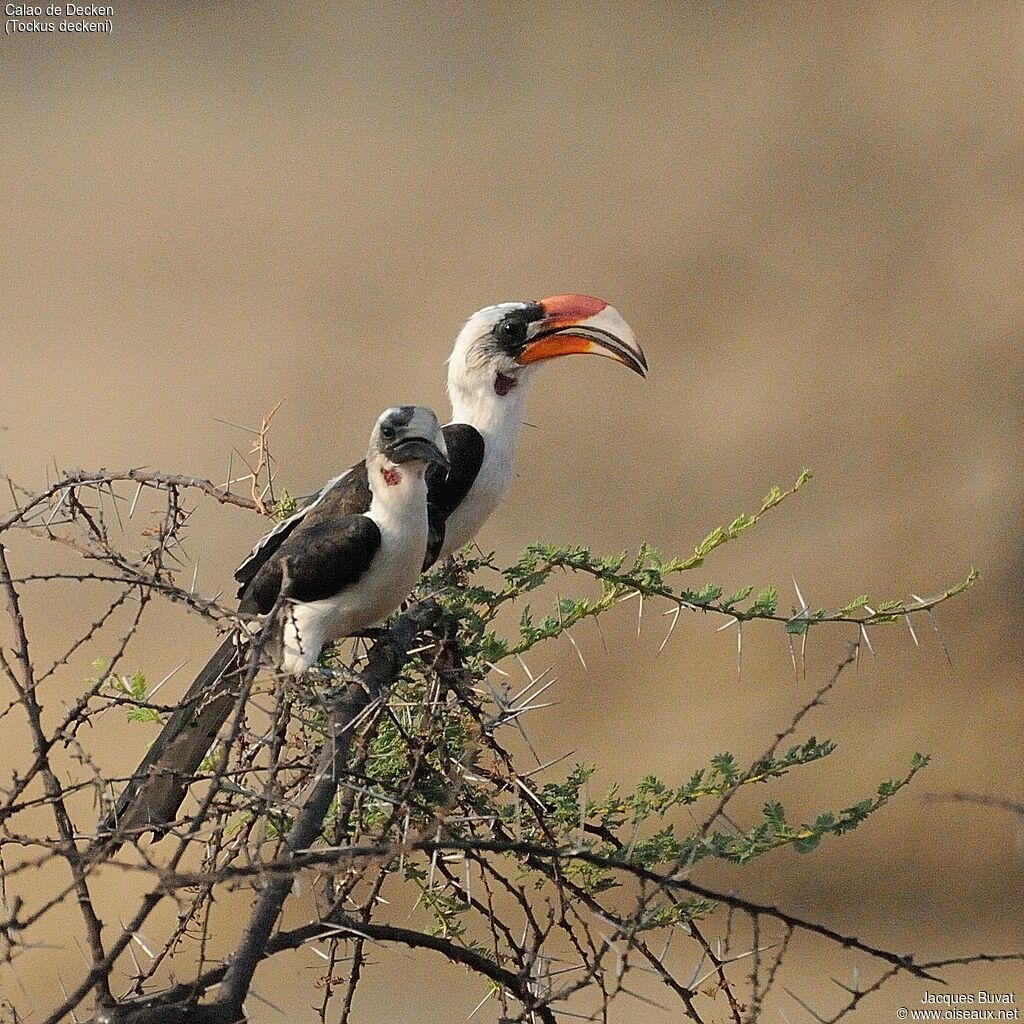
(391, 576)
(485, 495)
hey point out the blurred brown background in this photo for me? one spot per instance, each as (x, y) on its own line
(813, 218)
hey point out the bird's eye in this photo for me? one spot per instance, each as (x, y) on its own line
(512, 332)
(387, 431)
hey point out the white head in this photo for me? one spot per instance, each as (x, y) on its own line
(406, 439)
(498, 349)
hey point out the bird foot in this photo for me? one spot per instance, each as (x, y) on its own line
(343, 675)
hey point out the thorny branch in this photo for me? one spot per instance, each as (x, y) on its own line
(393, 778)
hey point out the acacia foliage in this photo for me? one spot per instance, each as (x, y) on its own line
(401, 777)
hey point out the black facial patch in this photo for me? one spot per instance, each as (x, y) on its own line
(509, 332)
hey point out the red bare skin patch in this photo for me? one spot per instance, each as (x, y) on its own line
(503, 384)
(391, 476)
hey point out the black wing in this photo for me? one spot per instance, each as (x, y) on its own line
(348, 494)
(466, 454)
(323, 555)
(435, 535)
(445, 493)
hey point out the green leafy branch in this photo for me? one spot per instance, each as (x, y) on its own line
(134, 689)
(646, 576)
(652, 799)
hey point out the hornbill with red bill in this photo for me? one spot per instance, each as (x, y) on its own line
(489, 374)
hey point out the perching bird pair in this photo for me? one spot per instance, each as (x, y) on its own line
(349, 556)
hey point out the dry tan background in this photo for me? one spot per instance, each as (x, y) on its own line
(814, 219)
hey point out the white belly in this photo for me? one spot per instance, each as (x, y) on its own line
(486, 494)
(387, 582)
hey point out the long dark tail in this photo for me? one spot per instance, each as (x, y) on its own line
(158, 786)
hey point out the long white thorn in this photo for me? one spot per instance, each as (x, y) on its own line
(153, 692)
(477, 1009)
(739, 651)
(534, 680)
(579, 653)
(866, 639)
(549, 764)
(135, 500)
(672, 628)
(723, 962)
(942, 643)
(910, 626)
(56, 508)
(799, 597)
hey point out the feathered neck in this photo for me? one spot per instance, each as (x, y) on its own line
(482, 396)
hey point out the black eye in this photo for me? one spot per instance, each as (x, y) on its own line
(512, 332)
(387, 431)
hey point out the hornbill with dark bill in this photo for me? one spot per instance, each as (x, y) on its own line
(490, 371)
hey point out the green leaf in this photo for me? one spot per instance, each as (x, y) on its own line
(807, 844)
(765, 602)
(740, 595)
(775, 815)
(855, 605)
(707, 595)
(145, 715)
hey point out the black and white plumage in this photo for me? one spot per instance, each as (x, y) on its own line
(491, 368)
(334, 573)
(341, 571)
(490, 371)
